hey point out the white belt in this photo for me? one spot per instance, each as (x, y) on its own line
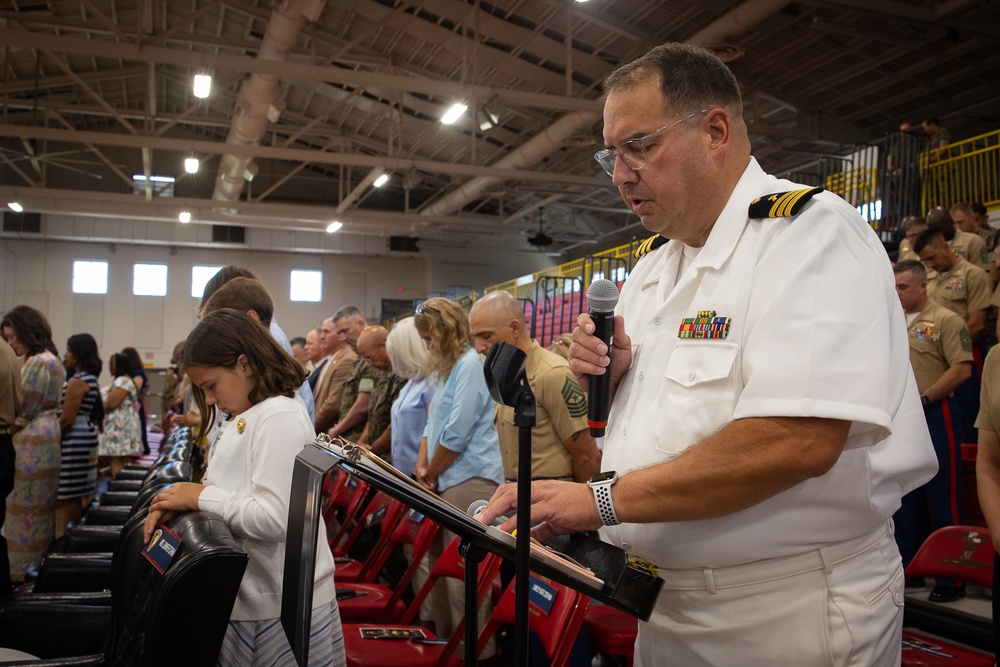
(772, 569)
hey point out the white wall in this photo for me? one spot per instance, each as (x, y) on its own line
(39, 273)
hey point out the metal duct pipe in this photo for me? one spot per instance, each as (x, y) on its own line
(530, 152)
(549, 140)
(260, 102)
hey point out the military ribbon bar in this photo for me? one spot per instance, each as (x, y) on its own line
(705, 325)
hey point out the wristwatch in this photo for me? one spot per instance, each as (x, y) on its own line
(601, 484)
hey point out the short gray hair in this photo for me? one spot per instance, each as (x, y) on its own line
(407, 352)
(691, 78)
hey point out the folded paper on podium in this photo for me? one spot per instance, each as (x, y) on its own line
(598, 569)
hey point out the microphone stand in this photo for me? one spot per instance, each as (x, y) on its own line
(508, 384)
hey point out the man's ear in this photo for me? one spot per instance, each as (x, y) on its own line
(719, 128)
(253, 314)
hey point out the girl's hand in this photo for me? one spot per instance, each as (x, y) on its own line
(149, 525)
(180, 496)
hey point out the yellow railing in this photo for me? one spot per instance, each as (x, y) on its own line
(967, 171)
(856, 186)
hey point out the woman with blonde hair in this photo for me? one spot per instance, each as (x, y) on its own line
(459, 455)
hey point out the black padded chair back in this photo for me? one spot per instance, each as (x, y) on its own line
(172, 471)
(181, 616)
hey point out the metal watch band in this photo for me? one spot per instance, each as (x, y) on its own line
(605, 507)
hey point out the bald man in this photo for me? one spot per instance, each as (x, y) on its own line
(561, 444)
(377, 434)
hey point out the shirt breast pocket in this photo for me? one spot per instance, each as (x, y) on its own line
(698, 393)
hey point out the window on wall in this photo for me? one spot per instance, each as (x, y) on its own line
(149, 280)
(200, 275)
(90, 277)
(306, 286)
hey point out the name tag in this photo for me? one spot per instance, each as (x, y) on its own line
(541, 596)
(376, 517)
(162, 546)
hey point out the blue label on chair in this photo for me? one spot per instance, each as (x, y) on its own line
(414, 515)
(351, 483)
(161, 548)
(376, 516)
(542, 596)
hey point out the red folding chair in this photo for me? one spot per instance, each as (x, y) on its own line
(556, 618)
(381, 512)
(348, 493)
(611, 632)
(964, 553)
(363, 652)
(377, 602)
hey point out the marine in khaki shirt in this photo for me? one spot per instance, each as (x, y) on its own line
(561, 444)
(958, 285)
(940, 346)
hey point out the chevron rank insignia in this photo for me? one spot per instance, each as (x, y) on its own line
(649, 245)
(705, 325)
(782, 204)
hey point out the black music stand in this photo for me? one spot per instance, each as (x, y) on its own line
(606, 575)
(508, 384)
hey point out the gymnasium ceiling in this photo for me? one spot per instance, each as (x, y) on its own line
(315, 98)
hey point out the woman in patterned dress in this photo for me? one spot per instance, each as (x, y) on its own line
(31, 506)
(138, 373)
(82, 415)
(121, 437)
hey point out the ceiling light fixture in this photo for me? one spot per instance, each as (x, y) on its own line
(202, 85)
(334, 226)
(191, 165)
(381, 180)
(15, 206)
(454, 113)
(185, 217)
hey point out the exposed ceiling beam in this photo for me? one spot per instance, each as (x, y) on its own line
(268, 215)
(919, 14)
(292, 154)
(289, 69)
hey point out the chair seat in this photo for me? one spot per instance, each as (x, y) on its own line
(920, 650)
(348, 570)
(610, 630)
(369, 606)
(381, 652)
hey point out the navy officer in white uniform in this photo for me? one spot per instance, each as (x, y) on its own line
(764, 422)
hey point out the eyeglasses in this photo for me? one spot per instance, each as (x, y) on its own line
(633, 151)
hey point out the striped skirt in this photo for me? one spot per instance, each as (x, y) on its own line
(263, 643)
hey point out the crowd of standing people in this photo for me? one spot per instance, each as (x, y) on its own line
(60, 426)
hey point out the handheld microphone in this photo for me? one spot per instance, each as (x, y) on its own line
(602, 297)
(478, 506)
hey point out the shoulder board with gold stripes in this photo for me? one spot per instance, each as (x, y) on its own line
(649, 245)
(782, 204)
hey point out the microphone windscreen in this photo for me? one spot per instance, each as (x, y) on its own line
(602, 296)
(477, 506)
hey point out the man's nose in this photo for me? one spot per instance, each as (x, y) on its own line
(623, 173)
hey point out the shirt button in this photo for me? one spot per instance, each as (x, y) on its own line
(657, 320)
(690, 377)
(642, 374)
(625, 430)
(899, 597)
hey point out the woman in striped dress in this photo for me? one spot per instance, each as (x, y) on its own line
(82, 415)
(31, 505)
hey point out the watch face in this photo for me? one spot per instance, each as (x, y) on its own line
(603, 476)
